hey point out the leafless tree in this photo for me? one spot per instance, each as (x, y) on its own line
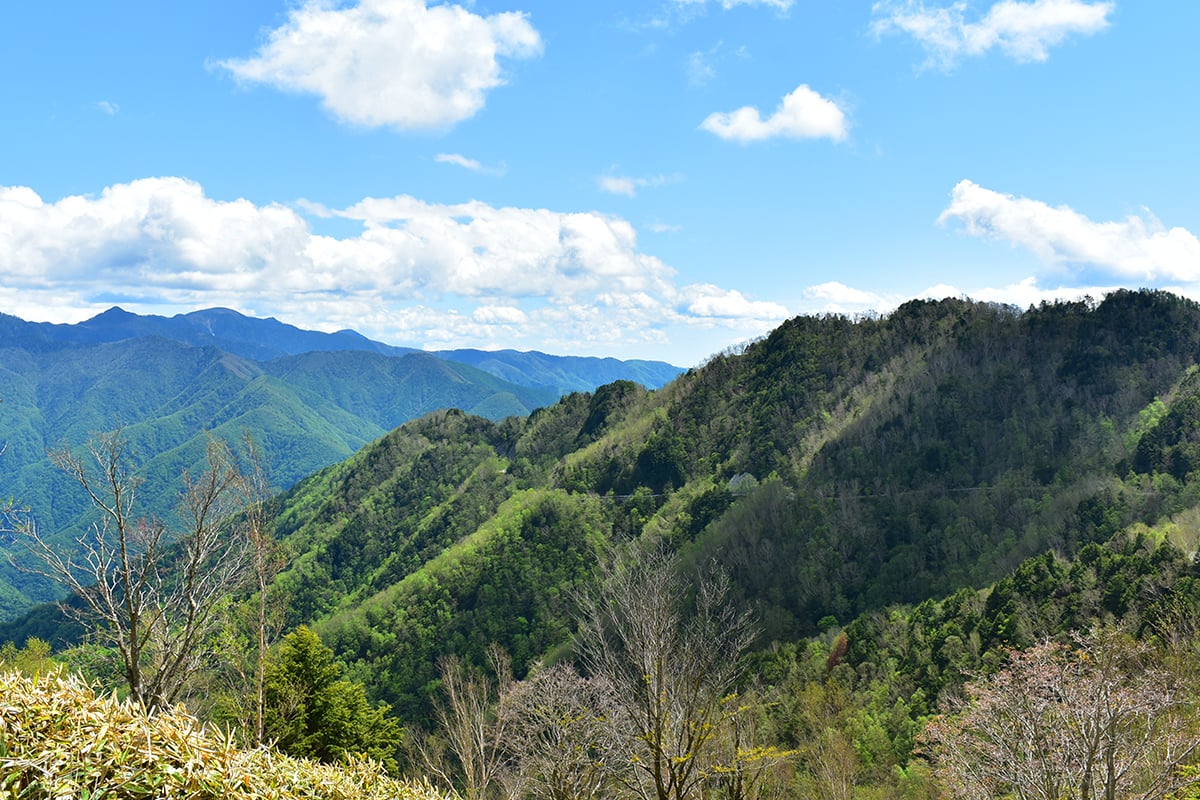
(1099, 720)
(562, 745)
(476, 726)
(266, 561)
(148, 591)
(669, 647)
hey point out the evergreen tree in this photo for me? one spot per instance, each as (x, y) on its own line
(313, 712)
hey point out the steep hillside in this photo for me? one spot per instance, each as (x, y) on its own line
(833, 468)
(307, 411)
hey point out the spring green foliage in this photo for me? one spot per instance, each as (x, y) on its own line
(307, 411)
(899, 500)
(833, 469)
(32, 659)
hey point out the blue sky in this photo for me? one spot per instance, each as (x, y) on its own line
(658, 179)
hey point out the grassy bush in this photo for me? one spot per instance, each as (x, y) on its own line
(58, 739)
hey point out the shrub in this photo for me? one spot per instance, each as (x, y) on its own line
(59, 739)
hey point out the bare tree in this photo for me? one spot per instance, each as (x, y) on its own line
(669, 648)
(1100, 720)
(562, 745)
(265, 561)
(148, 591)
(476, 724)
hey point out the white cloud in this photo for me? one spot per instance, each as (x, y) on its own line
(706, 300)
(1025, 31)
(779, 5)
(625, 185)
(838, 298)
(499, 315)
(108, 107)
(397, 63)
(469, 164)
(803, 114)
(835, 297)
(411, 272)
(1134, 248)
(1023, 294)
(618, 185)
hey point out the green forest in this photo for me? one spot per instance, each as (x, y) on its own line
(950, 551)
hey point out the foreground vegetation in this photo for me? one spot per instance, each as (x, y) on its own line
(59, 739)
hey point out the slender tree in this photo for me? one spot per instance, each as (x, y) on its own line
(475, 720)
(148, 591)
(265, 562)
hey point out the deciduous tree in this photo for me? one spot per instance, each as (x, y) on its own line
(1100, 719)
(669, 647)
(148, 590)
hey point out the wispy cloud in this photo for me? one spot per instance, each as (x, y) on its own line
(668, 13)
(701, 65)
(470, 164)
(387, 62)
(1138, 247)
(778, 5)
(107, 107)
(465, 274)
(1023, 30)
(803, 114)
(628, 186)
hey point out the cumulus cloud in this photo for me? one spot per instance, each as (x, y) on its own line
(1022, 294)
(713, 302)
(499, 315)
(1137, 247)
(803, 114)
(836, 297)
(1025, 30)
(466, 274)
(396, 63)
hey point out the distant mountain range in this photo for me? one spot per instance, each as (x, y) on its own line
(309, 398)
(266, 339)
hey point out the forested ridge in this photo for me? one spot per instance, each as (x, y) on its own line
(898, 502)
(311, 399)
(834, 468)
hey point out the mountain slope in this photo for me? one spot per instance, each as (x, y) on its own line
(310, 399)
(306, 411)
(832, 468)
